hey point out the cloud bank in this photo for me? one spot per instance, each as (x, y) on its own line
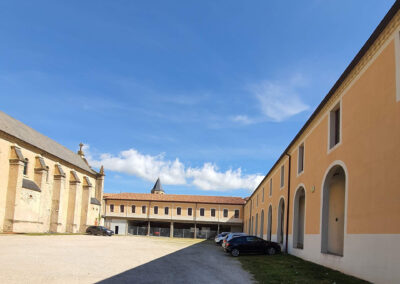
(174, 172)
(277, 100)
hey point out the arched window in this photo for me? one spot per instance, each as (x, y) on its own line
(281, 220)
(262, 224)
(333, 211)
(298, 218)
(269, 228)
(256, 228)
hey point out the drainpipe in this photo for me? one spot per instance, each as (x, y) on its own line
(288, 204)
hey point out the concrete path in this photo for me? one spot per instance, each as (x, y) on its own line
(90, 259)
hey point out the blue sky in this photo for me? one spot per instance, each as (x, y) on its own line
(205, 94)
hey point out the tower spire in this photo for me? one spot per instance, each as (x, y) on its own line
(157, 188)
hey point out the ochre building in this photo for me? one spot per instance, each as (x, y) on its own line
(44, 187)
(172, 215)
(333, 196)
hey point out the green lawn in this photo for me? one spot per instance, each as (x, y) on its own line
(290, 269)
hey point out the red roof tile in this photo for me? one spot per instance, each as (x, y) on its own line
(175, 198)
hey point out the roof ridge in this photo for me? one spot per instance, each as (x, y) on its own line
(8, 129)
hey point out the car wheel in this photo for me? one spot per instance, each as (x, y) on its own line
(271, 251)
(235, 252)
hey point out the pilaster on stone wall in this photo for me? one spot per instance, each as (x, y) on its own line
(14, 186)
(56, 218)
(100, 184)
(73, 203)
(86, 189)
(41, 179)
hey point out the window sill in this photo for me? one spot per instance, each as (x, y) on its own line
(334, 147)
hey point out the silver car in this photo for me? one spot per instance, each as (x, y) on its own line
(220, 237)
(230, 236)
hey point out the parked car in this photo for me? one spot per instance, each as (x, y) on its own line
(231, 236)
(219, 238)
(99, 230)
(251, 244)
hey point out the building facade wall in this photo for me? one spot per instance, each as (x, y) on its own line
(27, 210)
(172, 216)
(369, 154)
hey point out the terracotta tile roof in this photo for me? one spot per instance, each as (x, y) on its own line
(175, 198)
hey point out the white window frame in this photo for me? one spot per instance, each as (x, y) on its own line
(270, 187)
(204, 212)
(302, 144)
(338, 105)
(263, 194)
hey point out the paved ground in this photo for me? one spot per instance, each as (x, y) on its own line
(89, 259)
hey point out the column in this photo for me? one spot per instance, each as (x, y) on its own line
(41, 178)
(171, 230)
(72, 203)
(195, 231)
(84, 206)
(14, 186)
(148, 228)
(56, 220)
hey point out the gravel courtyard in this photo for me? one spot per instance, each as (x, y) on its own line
(117, 259)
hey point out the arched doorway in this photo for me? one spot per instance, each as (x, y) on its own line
(298, 219)
(262, 224)
(256, 229)
(333, 211)
(281, 220)
(269, 227)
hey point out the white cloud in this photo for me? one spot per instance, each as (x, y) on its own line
(244, 119)
(208, 177)
(279, 100)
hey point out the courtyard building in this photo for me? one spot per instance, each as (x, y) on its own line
(333, 196)
(172, 215)
(45, 187)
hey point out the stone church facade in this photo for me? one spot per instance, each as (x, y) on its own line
(44, 187)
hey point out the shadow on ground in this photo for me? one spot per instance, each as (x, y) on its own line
(199, 263)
